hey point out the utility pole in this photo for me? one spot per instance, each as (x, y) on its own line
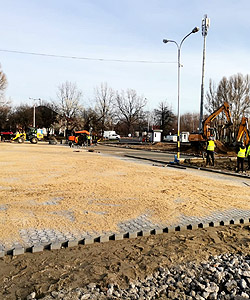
(205, 26)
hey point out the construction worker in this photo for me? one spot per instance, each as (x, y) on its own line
(210, 151)
(88, 137)
(240, 157)
(248, 156)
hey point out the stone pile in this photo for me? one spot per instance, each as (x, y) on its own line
(221, 277)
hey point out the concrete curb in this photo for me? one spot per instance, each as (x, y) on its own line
(119, 236)
(184, 166)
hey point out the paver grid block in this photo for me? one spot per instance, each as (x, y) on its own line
(88, 241)
(158, 231)
(171, 229)
(146, 232)
(18, 251)
(2, 253)
(37, 248)
(72, 243)
(132, 234)
(55, 245)
(104, 238)
(118, 236)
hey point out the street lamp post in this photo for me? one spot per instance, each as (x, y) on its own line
(34, 110)
(196, 29)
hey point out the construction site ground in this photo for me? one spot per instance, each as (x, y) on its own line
(225, 157)
(47, 189)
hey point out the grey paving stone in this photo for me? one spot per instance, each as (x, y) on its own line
(104, 238)
(132, 234)
(55, 245)
(18, 251)
(37, 248)
(89, 241)
(146, 232)
(118, 236)
(72, 243)
(158, 230)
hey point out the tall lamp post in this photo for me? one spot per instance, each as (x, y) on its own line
(196, 29)
(34, 110)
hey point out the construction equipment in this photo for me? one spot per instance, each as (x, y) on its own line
(208, 131)
(6, 135)
(243, 133)
(31, 135)
(79, 137)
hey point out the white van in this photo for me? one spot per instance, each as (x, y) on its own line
(111, 135)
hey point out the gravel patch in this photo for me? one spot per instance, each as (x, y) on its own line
(225, 276)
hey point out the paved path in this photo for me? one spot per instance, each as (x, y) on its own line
(123, 152)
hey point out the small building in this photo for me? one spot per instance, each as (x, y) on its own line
(155, 135)
(184, 136)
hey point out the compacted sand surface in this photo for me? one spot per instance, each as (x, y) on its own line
(46, 186)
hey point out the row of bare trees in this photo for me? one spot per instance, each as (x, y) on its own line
(123, 111)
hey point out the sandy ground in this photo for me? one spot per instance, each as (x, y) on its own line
(117, 262)
(34, 176)
(42, 185)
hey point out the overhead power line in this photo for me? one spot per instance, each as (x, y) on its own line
(88, 58)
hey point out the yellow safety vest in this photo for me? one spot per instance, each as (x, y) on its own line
(210, 146)
(248, 151)
(242, 152)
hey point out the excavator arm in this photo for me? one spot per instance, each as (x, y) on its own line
(206, 130)
(243, 133)
(206, 123)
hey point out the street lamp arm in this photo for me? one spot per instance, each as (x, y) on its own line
(196, 29)
(171, 41)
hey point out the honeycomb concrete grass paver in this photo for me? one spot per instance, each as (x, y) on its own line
(36, 240)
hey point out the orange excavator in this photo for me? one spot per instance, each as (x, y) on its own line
(74, 138)
(208, 131)
(243, 133)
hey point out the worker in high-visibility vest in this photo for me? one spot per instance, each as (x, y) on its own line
(240, 158)
(248, 156)
(88, 138)
(210, 152)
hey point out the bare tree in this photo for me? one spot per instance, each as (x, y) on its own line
(22, 116)
(5, 104)
(212, 102)
(3, 84)
(164, 117)
(5, 112)
(130, 108)
(104, 98)
(236, 91)
(68, 105)
(190, 122)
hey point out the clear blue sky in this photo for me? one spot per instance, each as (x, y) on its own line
(121, 29)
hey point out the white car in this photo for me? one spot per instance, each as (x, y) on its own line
(114, 137)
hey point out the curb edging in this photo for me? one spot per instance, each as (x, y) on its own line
(119, 236)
